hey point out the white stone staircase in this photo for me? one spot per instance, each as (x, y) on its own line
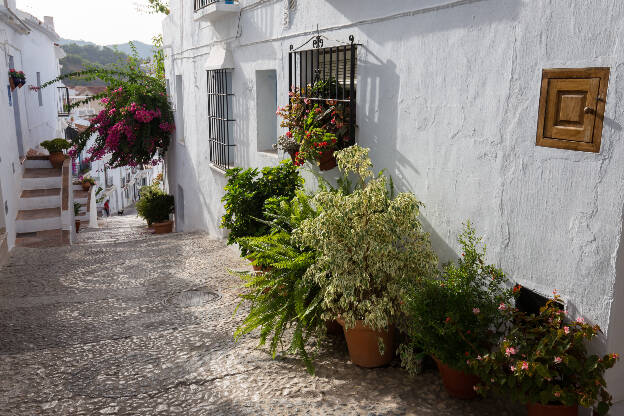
(38, 221)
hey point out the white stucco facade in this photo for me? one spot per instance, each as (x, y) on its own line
(448, 95)
(29, 45)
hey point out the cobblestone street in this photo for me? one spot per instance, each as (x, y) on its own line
(125, 322)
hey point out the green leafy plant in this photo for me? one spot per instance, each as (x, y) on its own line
(280, 298)
(315, 126)
(544, 359)
(145, 206)
(88, 179)
(457, 317)
(370, 247)
(56, 145)
(77, 207)
(246, 194)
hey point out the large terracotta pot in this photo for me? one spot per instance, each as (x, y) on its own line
(327, 161)
(363, 345)
(77, 225)
(86, 186)
(163, 227)
(457, 383)
(57, 159)
(536, 409)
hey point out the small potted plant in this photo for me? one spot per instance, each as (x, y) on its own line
(87, 182)
(21, 79)
(159, 208)
(77, 207)
(13, 79)
(370, 246)
(55, 147)
(543, 362)
(456, 319)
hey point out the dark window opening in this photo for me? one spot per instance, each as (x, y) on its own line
(530, 302)
(220, 128)
(63, 103)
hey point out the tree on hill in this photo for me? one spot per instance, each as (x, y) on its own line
(80, 57)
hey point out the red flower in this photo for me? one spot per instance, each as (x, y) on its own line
(448, 319)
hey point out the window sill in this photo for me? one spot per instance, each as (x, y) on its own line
(217, 169)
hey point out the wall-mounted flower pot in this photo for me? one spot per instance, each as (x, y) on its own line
(86, 186)
(12, 83)
(327, 161)
(21, 83)
(457, 383)
(363, 345)
(77, 225)
(57, 159)
(537, 409)
(163, 227)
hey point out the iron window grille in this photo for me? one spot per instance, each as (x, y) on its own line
(335, 66)
(200, 4)
(63, 101)
(220, 129)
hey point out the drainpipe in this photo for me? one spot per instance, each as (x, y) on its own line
(6, 4)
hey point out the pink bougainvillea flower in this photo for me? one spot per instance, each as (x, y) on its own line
(566, 329)
(512, 368)
(509, 351)
(580, 320)
(525, 365)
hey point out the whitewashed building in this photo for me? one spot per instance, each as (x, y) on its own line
(27, 116)
(448, 101)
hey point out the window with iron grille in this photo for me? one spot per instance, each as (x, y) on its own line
(326, 75)
(220, 122)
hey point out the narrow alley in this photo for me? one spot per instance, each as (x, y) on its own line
(125, 322)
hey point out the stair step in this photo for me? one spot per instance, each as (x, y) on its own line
(38, 157)
(38, 214)
(38, 163)
(36, 193)
(41, 173)
(81, 194)
(41, 239)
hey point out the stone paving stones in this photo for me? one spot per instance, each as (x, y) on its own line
(126, 322)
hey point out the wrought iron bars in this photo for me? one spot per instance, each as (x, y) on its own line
(337, 65)
(220, 129)
(200, 4)
(63, 101)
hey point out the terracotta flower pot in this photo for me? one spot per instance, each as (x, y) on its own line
(363, 345)
(77, 225)
(327, 160)
(57, 159)
(457, 383)
(12, 83)
(163, 227)
(86, 186)
(537, 409)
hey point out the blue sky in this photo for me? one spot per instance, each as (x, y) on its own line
(100, 21)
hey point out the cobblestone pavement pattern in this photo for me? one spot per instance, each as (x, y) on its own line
(125, 322)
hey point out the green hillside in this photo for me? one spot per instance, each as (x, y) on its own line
(79, 56)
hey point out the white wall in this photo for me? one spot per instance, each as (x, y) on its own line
(447, 101)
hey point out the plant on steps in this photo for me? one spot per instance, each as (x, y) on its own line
(457, 318)
(246, 194)
(543, 361)
(281, 301)
(371, 246)
(55, 147)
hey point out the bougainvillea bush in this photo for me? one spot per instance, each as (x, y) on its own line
(135, 125)
(315, 126)
(457, 318)
(544, 359)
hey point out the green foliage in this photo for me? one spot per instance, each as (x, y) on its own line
(457, 318)
(246, 194)
(88, 179)
(77, 207)
(370, 247)
(80, 57)
(144, 205)
(281, 298)
(158, 6)
(56, 145)
(158, 59)
(544, 359)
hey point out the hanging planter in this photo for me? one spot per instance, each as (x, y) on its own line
(327, 161)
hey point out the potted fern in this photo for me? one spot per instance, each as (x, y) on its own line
(370, 245)
(281, 297)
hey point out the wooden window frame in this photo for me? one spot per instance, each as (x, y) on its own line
(573, 73)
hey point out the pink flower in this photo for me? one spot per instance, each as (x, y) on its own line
(512, 368)
(580, 320)
(525, 365)
(476, 311)
(557, 360)
(566, 330)
(502, 307)
(510, 351)
(557, 394)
